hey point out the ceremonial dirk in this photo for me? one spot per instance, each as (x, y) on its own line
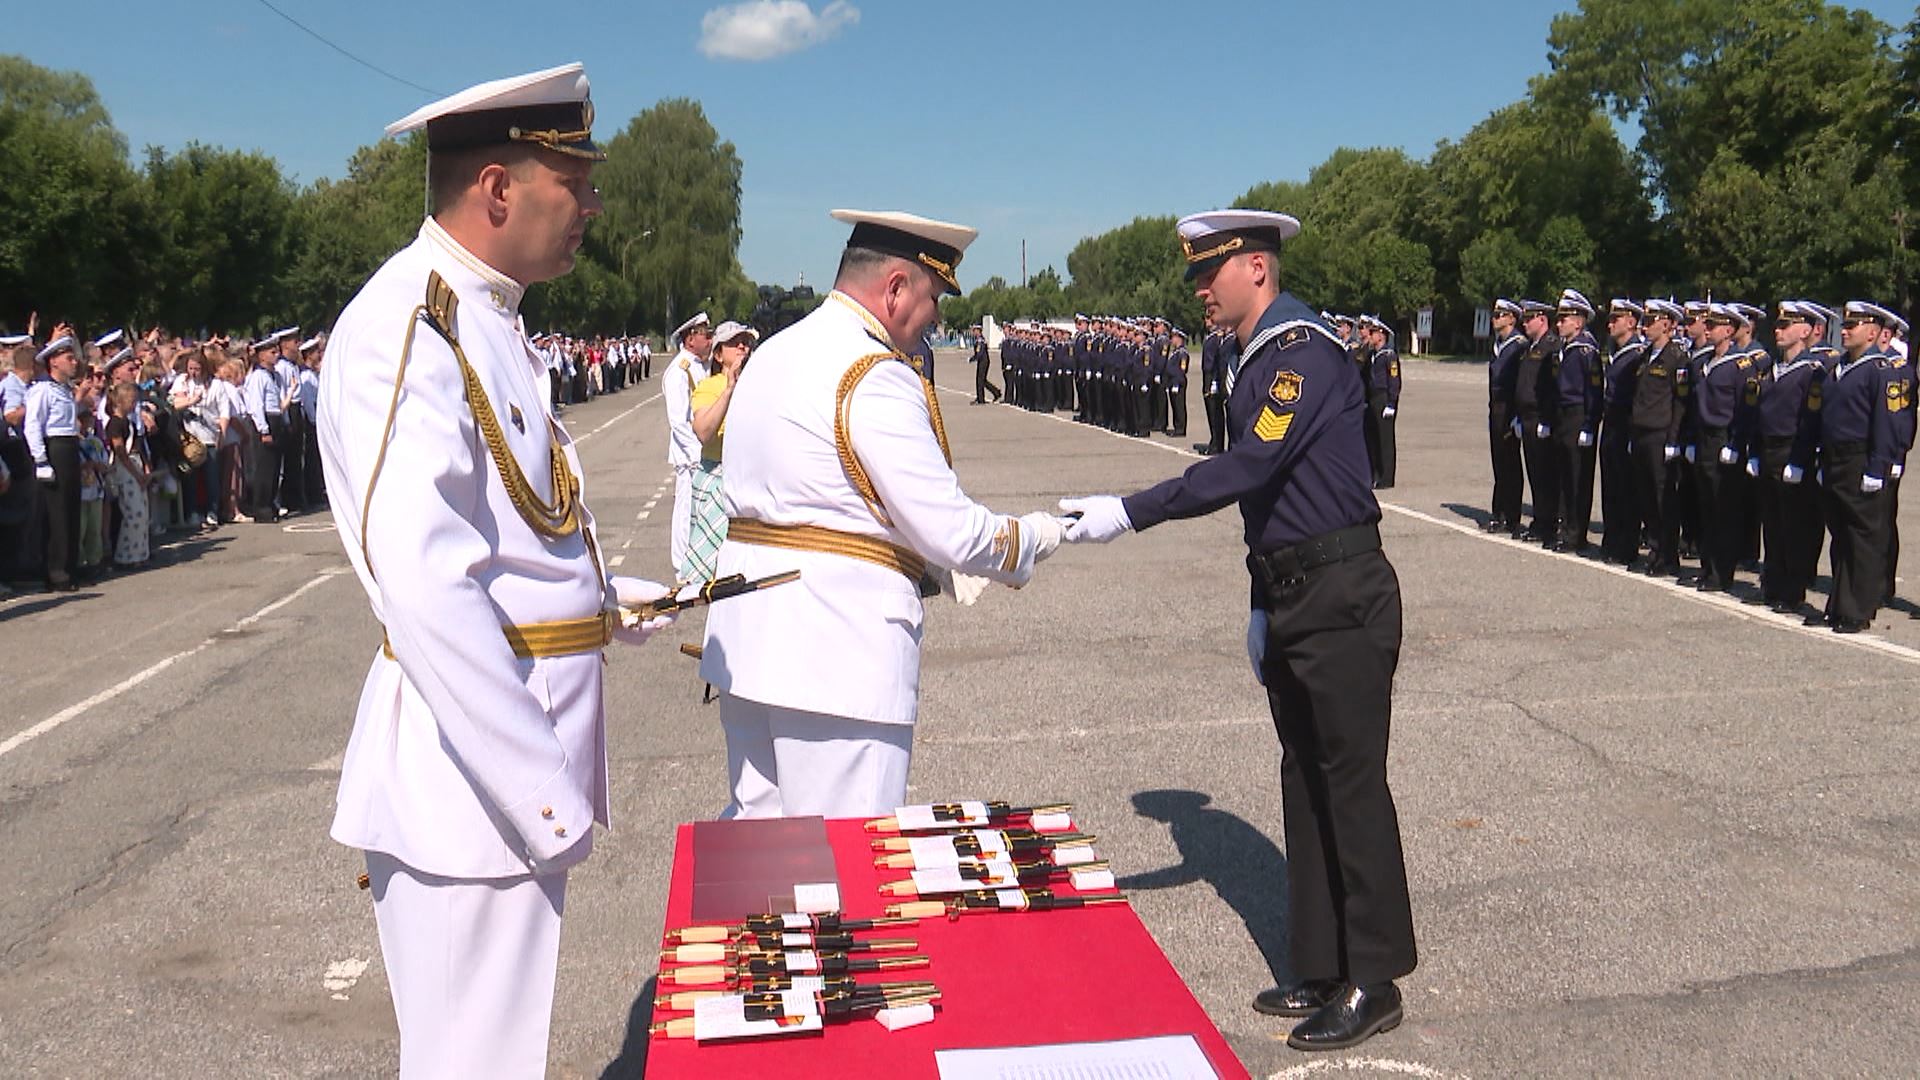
(722, 952)
(756, 968)
(712, 592)
(1005, 900)
(843, 986)
(768, 924)
(1075, 855)
(682, 1027)
(981, 841)
(1022, 876)
(738, 984)
(946, 815)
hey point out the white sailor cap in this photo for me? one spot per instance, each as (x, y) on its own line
(1535, 307)
(118, 358)
(1667, 308)
(729, 330)
(1815, 310)
(307, 345)
(1620, 305)
(287, 332)
(1752, 314)
(1078, 317)
(1697, 309)
(1864, 309)
(14, 341)
(551, 108)
(1508, 306)
(1373, 322)
(267, 342)
(1726, 313)
(1211, 237)
(936, 245)
(63, 343)
(1572, 303)
(691, 325)
(114, 338)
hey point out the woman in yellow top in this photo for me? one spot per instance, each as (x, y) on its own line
(731, 344)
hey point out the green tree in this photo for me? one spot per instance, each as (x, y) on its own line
(672, 223)
(1565, 260)
(343, 230)
(222, 218)
(1496, 264)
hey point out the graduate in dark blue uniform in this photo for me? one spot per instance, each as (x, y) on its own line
(1620, 538)
(1720, 419)
(1325, 624)
(1791, 522)
(1579, 383)
(1177, 361)
(1503, 424)
(1213, 396)
(1858, 448)
(1660, 396)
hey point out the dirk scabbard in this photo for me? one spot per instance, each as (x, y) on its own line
(712, 592)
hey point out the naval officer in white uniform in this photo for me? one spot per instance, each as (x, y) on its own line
(477, 765)
(837, 465)
(686, 371)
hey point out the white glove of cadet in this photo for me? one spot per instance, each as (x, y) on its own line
(1388, 411)
(1791, 474)
(1257, 642)
(1871, 484)
(1516, 428)
(632, 592)
(1542, 430)
(1897, 470)
(1672, 452)
(1753, 466)
(1586, 438)
(43, 472)
(1047, 531)
(1728, 455)
(1693, 453)
(1102, 518)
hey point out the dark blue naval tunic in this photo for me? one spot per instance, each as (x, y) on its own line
(1298, 464)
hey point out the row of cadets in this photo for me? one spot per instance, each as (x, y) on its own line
(1216, 351)
(1549, 391)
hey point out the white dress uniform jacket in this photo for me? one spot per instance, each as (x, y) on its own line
(844, 640)
(683, 446)
(465, 761)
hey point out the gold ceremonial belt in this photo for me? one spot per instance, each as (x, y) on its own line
(829, 542)
(562, 637)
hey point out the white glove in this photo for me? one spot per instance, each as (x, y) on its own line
(43, 472)
(1728, 455)
(1156, 380)
(1102, 518)
(1871, 484)
(632, 592)
(1753, 466)
(1586, 438)
(1672, 452)
(1791, 474)
(1692, 454)
(1386, 412)
(1516, 428)
(1897, 470)
(968, 587)
(1542, 431)
(1047, 533)
(1257, 642)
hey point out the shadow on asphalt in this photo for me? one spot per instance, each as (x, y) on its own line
(1244, 868)
(631, 1064)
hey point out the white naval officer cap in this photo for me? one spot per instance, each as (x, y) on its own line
(1866, 309)
(1211, 237)
(1620, 305)
(14, 341)
(690, 325)
(1573, 303)
(1752, 314)
(551, 108)
(1725, 313)
(1508, 306)
(63, 343)
(285, 333)
(1667, 308)
(113, 338)
(121, 357)
(936, 245)
(307, 345)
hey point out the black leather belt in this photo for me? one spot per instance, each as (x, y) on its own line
(1289, 565)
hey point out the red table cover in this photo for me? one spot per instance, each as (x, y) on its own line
(1005, 980)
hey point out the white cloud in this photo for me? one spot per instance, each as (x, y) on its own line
(764, 29)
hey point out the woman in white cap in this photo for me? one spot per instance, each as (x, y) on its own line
(708, 527)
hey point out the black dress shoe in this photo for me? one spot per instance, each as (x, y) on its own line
(1850, 626)
(1303, 998)
(1356, 1016)
(1555, 545)
(1815, 619)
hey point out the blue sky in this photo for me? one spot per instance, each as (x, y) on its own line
(1043, 120)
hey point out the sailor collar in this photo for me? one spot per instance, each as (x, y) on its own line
(502, 292)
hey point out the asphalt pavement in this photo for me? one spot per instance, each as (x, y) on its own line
(1648, 832)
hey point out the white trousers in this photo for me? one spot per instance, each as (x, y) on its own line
(682, 518)
(471, 962)
(789, 763)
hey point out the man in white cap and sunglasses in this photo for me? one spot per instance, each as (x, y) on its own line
(477, 766)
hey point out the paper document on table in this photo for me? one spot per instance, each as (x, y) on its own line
(1168, 1057)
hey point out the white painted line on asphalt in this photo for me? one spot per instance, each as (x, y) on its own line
(1363, 1064)
(625, 544)
(616, 420)
(1720, 601)
(308, 527)
(616, 560)
(644, 515)
(651, 503)
(341, 975)
(131, 681)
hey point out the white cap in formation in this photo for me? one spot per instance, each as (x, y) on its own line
(63, 343)
(114, 338)
(936, 245)
(1211, 237)
(551, 108)
(1572, 303)
(119, 358)
(14, 341)
(1668, 308)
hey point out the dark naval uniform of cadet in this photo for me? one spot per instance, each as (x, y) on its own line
(982, 364)
(1298, 470)
(1659, 408)
(1791, 519)
(1620, 521)
(1856, 438)
(1212, 389)
(1503, 443)
(1383, 403)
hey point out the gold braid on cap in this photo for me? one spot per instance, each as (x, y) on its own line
(1193, 256)
(843, 432)
(945, 270)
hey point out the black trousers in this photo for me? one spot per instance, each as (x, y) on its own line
(982, 386)
(1857, 522)
(293, 460)
(1893, 532)
(1063, 390)
(264, 479)
(63, 508)
(1177, 406)
(1157, 414)
(1216, 406)
(1793, 525)
(315, 489)
(1656, 495)
(1503, 447)
(1143, 395)
(1619, 510)
(1536, 450)
(1333, 644)
(22, 550)
(1723, 522)
(1385, 455)
(1573, 467)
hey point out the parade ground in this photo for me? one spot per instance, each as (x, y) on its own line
(1649, 832)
